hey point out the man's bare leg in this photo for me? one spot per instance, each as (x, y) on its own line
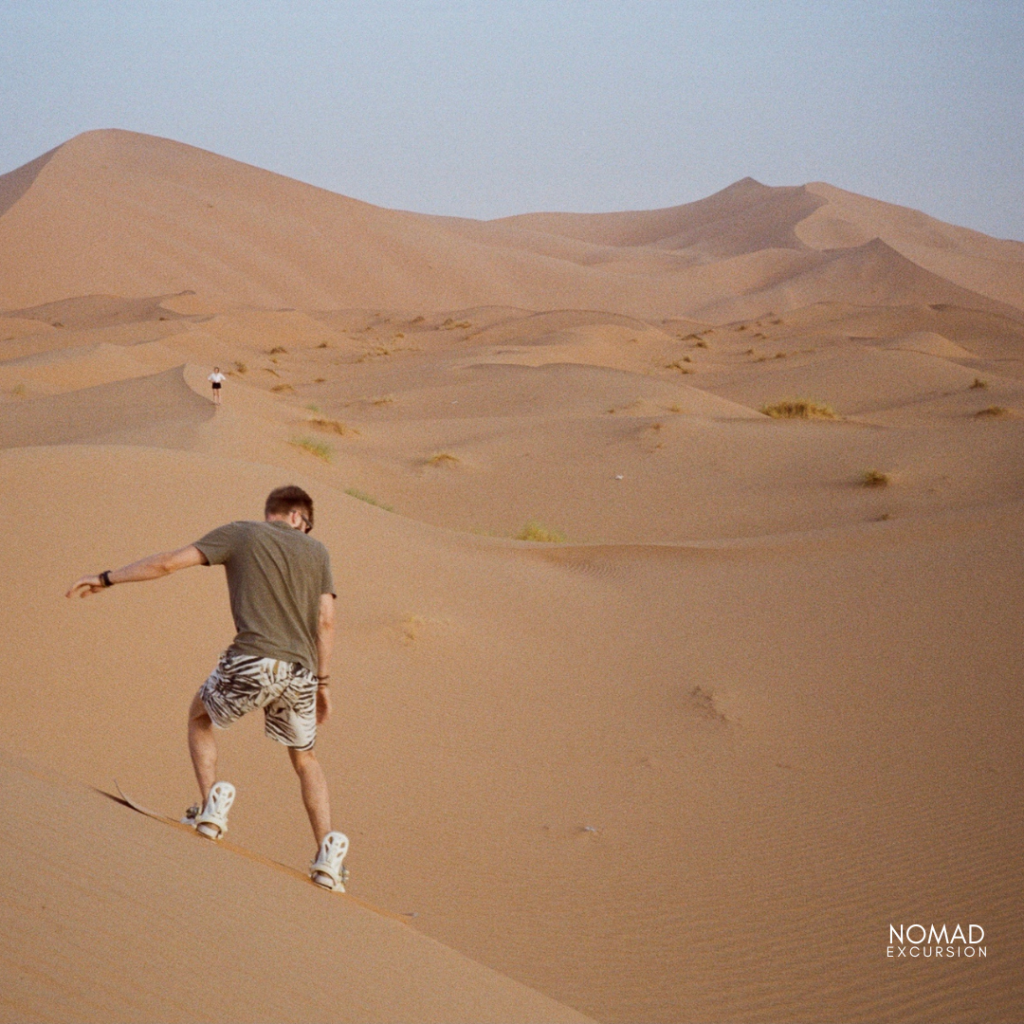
(202, 745)
(314, 791)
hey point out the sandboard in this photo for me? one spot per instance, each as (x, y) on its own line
(239, 850)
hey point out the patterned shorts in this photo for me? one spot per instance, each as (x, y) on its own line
(286, 691)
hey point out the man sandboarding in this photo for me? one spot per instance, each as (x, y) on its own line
(282, 600)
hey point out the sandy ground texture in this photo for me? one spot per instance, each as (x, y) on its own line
(679, 558)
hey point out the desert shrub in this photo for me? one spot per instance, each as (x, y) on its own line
(993, 412)
(278, 350)
(241, 367)
(875, 478)
(979, 383)
(443, 459)
(320, 449)
(799, 409)
(331, 426)
(352, 492)
(538, 532)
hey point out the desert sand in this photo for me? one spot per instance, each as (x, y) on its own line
(653, 704)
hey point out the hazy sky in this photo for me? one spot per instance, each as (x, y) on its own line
(496, 107)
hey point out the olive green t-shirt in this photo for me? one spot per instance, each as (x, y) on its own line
(275, 578)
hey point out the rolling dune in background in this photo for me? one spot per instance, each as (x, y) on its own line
(761, 700)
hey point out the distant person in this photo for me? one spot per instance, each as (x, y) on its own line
(282, 599)
(216, 379)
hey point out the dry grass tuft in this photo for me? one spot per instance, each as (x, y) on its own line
(992, 412)
(331, 426)
(241, 368)
(352, 492)
(277, 350)
(282, 387)
(800, 409)
(678, 365)
(979, 383)
(443, 459)
(538, 532)
(382, 400)
(875, 478)
(320, 449)
(18, 390)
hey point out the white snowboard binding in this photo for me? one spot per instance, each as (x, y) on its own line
(212, 820)
(328, 870)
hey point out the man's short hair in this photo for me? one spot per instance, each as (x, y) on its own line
(282, 500)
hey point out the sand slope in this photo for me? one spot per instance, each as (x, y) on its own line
(127, 920)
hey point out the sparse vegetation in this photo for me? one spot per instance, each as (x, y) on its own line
(18, 390)
(992, 412)
(323, 344)
(241, 368)
(678, 365)
(417, 320)
(352, 492)
(443, 459)
(800, 409)
(875, 478)
(320, 449)
(979, 383)
(277, 350)
(536, 531)
(702, 343)
(382, 400)
(282, 387)
(331, 426)
(313, 407)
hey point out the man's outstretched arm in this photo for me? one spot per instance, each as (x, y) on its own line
(151, 568)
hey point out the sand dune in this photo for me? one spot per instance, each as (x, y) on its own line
(136, 411)
(760, 702)
(169, 218)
